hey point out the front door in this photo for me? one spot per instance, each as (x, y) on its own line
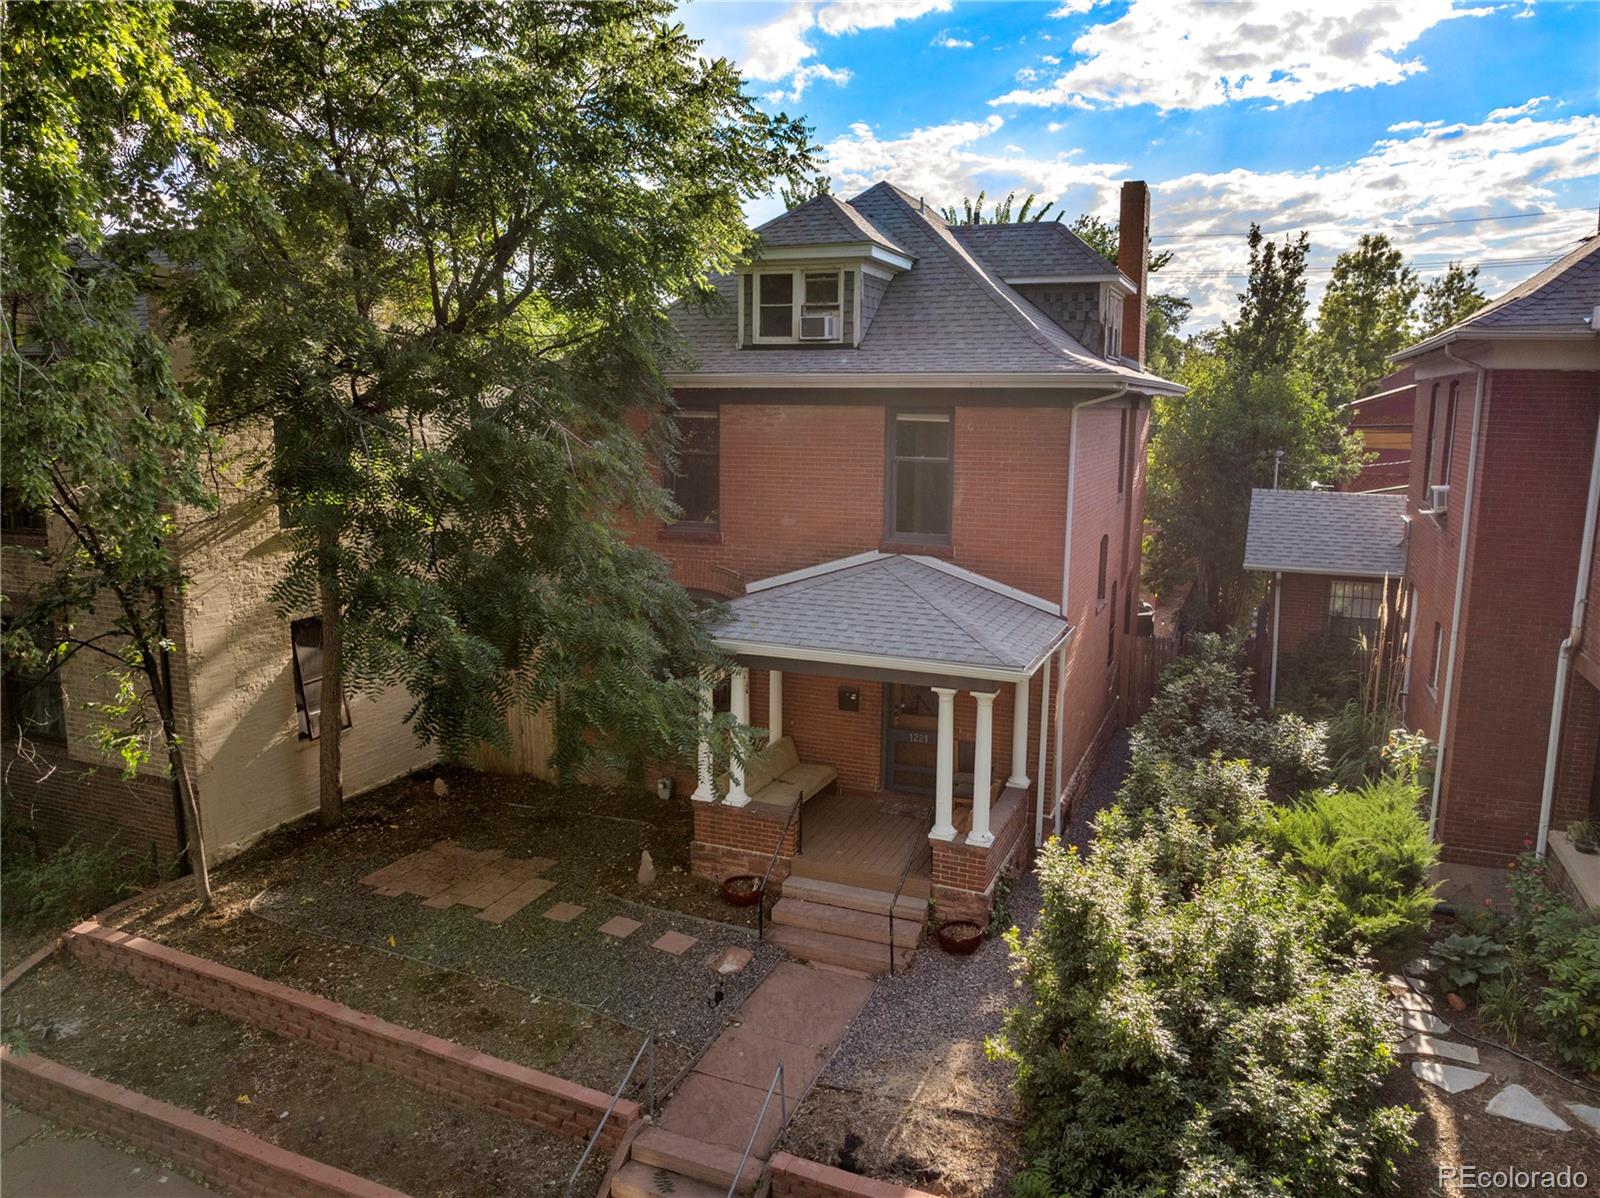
(910, 737)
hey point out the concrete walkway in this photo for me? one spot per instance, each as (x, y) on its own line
(795, 1016)
(37, 1163)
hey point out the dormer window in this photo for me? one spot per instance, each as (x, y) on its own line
(799, 305)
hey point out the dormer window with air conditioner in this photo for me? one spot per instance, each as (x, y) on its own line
(799, 306)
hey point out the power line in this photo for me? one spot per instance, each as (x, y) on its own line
(1245, 274)
(1420, 224)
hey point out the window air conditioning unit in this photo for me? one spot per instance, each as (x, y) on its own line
(819, 326)
(1438, 499)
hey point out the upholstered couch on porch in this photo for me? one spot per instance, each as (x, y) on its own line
(776, 777)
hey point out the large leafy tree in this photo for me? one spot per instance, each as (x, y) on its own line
(1249, 415)
(1450, 298)
(1364, 317)
(103, 128)
(462, 223)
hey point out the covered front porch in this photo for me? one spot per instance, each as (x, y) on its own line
(902, 755)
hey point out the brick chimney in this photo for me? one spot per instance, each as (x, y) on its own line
(1133, 259)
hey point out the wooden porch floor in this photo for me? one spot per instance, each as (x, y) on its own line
(857, 840)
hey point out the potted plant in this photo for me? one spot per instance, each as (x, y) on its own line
(1585, 836)
(741, 890)
(960, 937)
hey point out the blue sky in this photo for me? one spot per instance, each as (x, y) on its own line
(1338, 117)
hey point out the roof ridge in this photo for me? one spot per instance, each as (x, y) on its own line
(995, 287)
(933, 601)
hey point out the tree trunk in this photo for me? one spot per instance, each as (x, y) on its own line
(157, 676)
(330, 761)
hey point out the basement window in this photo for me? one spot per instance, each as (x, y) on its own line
(306, 637)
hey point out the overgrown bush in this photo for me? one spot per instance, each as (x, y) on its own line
(1562, 943)
(1320, 676)
(39, 889)
(1198, 1042)
(1204, 708)
(1229, 798)
(1368, 853)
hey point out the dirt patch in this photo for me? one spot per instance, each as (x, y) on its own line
(941, 1151)
(349, 1116)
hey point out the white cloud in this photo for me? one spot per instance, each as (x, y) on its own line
(1197, 55)
(778, 50)
(804, 78)
(950, 41)
(1051, 59)
(1402, 126)
(1524, 109)
(1026, 74)
(1071, 8)
(1054, 127)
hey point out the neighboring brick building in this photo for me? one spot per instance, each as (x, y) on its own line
(1504, 481)
(914, 467)
(239, 694)
(1383, 418)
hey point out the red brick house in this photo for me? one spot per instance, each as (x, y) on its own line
(1383, 418)
(913, 469)
(1501, 566)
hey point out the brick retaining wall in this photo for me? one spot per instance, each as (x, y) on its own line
(429, 1062)
(232, 1160)
(796, 1177)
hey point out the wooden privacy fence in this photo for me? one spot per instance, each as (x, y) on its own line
(1144, 658)
(533, 739)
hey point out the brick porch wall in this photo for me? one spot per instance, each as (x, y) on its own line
(964, 874)
(738, 840)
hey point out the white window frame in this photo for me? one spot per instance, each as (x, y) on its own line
(797, 305)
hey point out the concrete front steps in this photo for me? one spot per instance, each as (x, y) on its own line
(829, 923)
(661, 1163)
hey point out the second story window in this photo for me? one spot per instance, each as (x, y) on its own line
(920, 482)
(1105, 557)
(800, 305)
(695, 483)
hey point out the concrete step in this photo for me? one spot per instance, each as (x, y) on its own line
(710, 1163)
(855, 898)
(639, 1180)
(845, 921)
(825, 948)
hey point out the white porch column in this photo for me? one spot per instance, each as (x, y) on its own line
(982, 764)
(944, 778)
(741, 716)
(1019, 737)
(1061, 729)
(1044, 748)
(705, 792)
(774, 706)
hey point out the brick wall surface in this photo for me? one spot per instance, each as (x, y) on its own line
(796, 1177)
(429, 1062)
(233, 1161)
(64, 799)
(1527, 520)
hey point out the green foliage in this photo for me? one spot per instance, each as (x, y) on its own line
(458, 225)
(1228, 798)
(1248, 401)
(1365, 316)
(1449, 299)
(1319, 677)
(1466, 959)
(1506, 1005)
(1563, 943)
(1584, 834)
(1197, 1042)
(53, 889)
(1000, 919)
(1005, 211)
(1367, 853)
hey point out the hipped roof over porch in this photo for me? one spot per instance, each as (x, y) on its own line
(893, 616)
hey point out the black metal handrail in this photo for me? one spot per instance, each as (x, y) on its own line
(761, 1115)
(895, 902)
(761, 895)
(650, 1106)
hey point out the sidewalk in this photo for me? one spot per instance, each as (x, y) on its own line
(37, 1161)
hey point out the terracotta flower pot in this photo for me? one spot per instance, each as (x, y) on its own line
(960, 937)
(741, 890)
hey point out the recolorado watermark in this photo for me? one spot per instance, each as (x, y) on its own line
(1475, 1177)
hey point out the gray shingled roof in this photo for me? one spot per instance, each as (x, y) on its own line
(1560, 298)
(1033, 249)
(1327, 532)
(949, 314)
(823, 220)
(895, 606)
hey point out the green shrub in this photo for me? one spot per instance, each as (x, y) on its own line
(1194, 1043)
(1320, 677)
(39, 889)
(1563, 943)
(1506, 1005)
(1368, 853)
(1467, 959)
(1228, 798)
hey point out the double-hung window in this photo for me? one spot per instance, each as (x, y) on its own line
(695, 486)
(1353, 609)
(921, 476)
(32, 703)
(800, 305)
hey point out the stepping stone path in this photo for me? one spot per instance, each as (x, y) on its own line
(1520, 1104)
(1589, 1116)
(620, 926)
(446, 875)
(564, 912)
(1421, 1044)
(1452, 1079)
(675, 943)
(1422, 1021)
